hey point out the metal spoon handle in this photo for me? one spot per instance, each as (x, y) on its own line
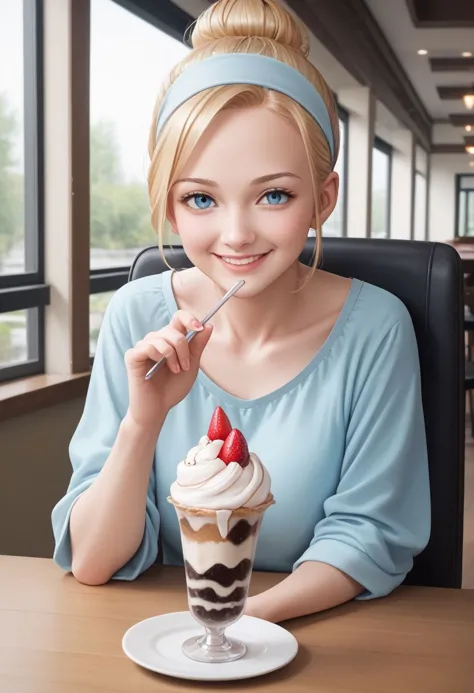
(206, 319)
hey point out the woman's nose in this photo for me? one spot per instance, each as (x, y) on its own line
(237, 230)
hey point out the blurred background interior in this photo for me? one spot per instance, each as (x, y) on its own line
(78, 79)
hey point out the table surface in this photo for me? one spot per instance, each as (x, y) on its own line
(58, 636)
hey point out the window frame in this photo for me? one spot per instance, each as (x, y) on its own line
(386, 148)
(28, 290)
(458, 191)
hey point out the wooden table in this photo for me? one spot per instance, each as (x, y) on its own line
(57, 636)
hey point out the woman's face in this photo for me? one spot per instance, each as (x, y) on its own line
(243, 203)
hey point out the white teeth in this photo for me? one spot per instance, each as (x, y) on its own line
(244, 261)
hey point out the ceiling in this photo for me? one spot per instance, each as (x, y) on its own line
(445, 28)
(408, 27)
(334, 72)
(445, 13)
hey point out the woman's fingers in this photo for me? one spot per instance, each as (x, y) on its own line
(171, 343)
(168, 350)
(177, 341)
(153, 348)
(185, 322)
(141, 353)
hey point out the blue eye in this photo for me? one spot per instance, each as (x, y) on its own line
(275, 197)
(199, 201)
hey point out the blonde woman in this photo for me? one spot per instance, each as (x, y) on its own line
(320, 371)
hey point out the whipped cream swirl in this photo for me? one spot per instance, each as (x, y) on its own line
(205, 481)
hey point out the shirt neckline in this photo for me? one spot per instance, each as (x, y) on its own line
(223, 395)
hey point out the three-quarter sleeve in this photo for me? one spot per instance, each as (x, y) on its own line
(105, 406)
(379, 517)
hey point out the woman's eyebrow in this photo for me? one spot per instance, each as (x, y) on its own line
(273, 176)
(256, 181)
(199, 181)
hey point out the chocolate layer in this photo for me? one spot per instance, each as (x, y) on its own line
(210, 532)
(216, 615)
(242, 531)
(220, 573)
(210, 595)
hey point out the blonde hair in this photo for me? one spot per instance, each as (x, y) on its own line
(239, 26)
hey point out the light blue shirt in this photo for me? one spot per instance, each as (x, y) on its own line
(344, 442)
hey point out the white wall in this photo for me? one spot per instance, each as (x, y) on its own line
(443, 133)
(442, 198)
(192, 7)
(387, 127)
(360, 103)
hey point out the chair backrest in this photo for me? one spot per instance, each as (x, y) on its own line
(428, 278)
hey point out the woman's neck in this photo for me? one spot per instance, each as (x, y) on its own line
(260, 318)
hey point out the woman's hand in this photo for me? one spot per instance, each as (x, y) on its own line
(311, 588)
(151, 400)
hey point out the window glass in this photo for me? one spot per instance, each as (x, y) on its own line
(12, 215)
(97, 306)
(420, 207)
(465, 205)
(335, 224)
(380, 193)
(470, 214)
(124, 85)
(18, 343)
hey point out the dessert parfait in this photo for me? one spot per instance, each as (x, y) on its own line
(220, 495)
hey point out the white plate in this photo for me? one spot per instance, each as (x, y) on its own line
(156, 645)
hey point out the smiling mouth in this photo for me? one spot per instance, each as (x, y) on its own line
(241, 260)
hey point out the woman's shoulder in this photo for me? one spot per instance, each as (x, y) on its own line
(377, 316)
(382, 306)
(366, 307)
(143, 302)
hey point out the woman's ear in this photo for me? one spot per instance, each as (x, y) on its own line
(328, 196)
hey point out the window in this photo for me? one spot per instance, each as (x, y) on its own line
(381, 184)
(23, 294)
(465, 205)
(419, 232)
(124, 84)
(336, 224)
(420, 195)
(18, 329)
(97, 306)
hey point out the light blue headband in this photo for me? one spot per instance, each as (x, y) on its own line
(247, 68)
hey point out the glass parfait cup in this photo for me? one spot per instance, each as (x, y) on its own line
(218, 552)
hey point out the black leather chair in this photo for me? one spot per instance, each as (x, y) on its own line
(428, 278)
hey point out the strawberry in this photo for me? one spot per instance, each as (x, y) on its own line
(235, 449)
(220, 427)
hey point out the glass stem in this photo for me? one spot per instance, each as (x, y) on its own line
(215, 638)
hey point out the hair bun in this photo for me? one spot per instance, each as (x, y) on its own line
(249, 18)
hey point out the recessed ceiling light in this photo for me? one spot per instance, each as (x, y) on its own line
(422, 51)
(467, 54)
(469, 149)
(469, 100)
(468, 128)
